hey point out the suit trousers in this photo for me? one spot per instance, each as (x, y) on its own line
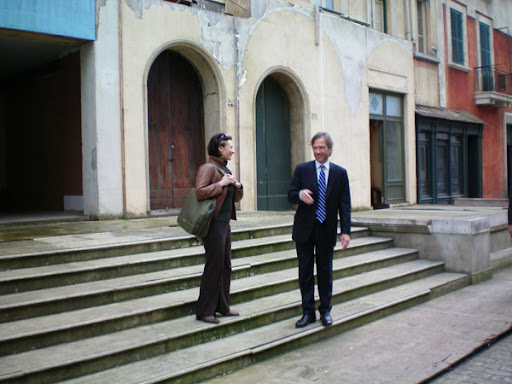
(216, 279)
(306, 254)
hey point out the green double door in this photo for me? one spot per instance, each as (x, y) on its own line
(273, 152)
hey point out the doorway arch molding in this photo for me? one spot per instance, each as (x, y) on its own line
(213, 90)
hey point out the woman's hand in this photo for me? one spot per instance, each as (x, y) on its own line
(227, 179)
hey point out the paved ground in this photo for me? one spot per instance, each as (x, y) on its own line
(408, 347)
(493, 365)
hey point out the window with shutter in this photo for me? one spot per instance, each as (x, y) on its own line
(457, 36)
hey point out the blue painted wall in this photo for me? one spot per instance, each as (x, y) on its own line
(69, 18)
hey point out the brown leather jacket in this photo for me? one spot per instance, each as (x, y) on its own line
(208, 185)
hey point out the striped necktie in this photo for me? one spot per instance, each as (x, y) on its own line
(320, 212)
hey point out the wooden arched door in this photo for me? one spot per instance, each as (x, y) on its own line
(176, 130)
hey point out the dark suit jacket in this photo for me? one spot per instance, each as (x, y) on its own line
(337, 201)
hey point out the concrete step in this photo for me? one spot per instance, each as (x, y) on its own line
(98, 353)
(501, 258)
(17, 336)
(26, 279)
(21, 279)
(42, 302)
(93, 246)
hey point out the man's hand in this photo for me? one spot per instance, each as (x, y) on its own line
(305, 196)
(345, 239)
(510, 230)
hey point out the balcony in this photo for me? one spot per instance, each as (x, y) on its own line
(493, 86)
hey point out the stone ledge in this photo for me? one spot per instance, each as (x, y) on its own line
(461, 225)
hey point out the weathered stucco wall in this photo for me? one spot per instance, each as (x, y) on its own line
(426, 83)
(325, 64)
(206, 39)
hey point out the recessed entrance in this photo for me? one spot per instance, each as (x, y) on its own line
(175, 129)
(273, 148)
(386, 150)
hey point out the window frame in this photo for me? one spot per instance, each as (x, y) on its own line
(482, 19)
(384, 15)
(421, 27)
(457, 36)
(330, 5)
(464, 36)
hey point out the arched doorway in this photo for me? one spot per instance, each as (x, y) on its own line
(176, 129)
(273, 149)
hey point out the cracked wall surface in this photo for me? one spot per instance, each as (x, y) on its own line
(326, 65)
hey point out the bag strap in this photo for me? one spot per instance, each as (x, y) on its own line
(218, 168)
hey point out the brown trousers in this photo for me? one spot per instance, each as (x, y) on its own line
(216, 279)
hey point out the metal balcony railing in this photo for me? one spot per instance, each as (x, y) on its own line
(493, 79)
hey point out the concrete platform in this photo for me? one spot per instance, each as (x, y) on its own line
(463, 237)
(409, 347)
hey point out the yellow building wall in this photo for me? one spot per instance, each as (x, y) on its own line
(325, 64)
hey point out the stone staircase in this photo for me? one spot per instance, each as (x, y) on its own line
(125, 313)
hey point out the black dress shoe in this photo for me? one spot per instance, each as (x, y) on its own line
(326, 319)
(305, 320)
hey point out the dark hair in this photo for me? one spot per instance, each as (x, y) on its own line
(326, 136)
(216, 141)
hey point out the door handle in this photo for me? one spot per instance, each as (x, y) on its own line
(171, 151)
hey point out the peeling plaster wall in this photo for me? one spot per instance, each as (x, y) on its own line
(328, 83)
(148, 28)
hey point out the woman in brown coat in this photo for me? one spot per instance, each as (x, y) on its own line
(214, 179)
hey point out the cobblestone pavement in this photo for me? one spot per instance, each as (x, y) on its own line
(492, 365)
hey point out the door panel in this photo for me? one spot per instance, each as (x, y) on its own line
(394, 184)
(424, 167)
(474, 166)
(442, 166)
(456, 167)
(176, 133)
(273, 150)
(376, 158)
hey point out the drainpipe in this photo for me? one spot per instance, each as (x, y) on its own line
(407, 11)
(371, 15)
(121, 115)
(317, 25)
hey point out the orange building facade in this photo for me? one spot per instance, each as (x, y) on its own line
(484, 88)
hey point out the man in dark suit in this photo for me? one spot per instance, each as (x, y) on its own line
(321, 190)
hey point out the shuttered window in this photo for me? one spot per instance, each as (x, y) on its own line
(457, 36)
(422, 27)
(485, 57)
